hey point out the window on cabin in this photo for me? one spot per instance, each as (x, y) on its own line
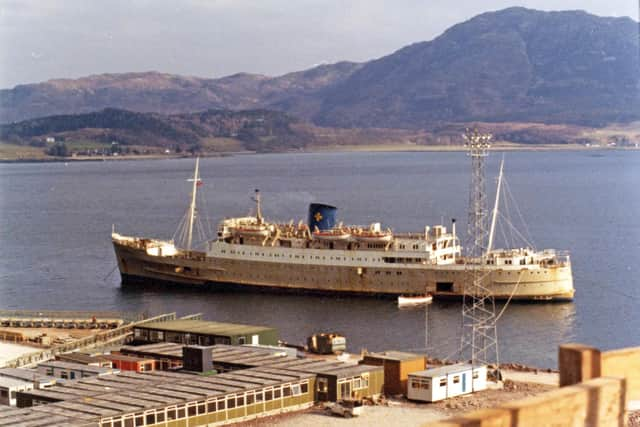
(295, 389)
(443, 382)
(286, 391)
(456, 379)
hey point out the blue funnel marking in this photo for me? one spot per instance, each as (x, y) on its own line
(321, 216)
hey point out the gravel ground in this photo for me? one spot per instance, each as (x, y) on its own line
(399, 412)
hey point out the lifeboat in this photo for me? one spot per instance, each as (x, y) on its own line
(257, 230)
(374, 236)
(336, 234)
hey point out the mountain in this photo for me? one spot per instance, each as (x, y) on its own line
(164, 93)
(513, 65)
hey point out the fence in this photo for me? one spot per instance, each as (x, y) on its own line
(101, 338)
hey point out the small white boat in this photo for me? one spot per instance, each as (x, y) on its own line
(405, 301)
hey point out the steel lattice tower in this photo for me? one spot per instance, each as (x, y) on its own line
(479, 341)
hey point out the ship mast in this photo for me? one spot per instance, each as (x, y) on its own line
(495, 210)
(192, 207)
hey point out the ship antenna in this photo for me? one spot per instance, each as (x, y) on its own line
(479, 334)
(495, 209)
(192, 207)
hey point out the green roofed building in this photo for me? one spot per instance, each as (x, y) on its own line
(201, 332)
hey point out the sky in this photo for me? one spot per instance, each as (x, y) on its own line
(42, 40)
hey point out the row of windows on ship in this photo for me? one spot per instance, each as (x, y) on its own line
(392, 260)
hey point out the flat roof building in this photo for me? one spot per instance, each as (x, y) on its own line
(71, 371)
(201, 332)
(156, 398)
(167, 355)
(85, 359)
(29, 375)
(9, 387)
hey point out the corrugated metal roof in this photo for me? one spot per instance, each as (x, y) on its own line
(205, 327)
(399, 356)
(76, 367)
(443, 370)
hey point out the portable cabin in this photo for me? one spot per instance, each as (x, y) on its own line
(168, 356)
(131, 363)
(397, 366)
(436, 384)
(349, 382)
(9, 387)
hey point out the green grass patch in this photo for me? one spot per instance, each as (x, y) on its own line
(222, 144)
(20, 152)
(85, 145)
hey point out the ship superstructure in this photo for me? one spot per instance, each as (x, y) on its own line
(322, 255)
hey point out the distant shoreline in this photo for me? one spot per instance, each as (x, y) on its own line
(370, 148)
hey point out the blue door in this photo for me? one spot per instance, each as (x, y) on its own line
(464, 382)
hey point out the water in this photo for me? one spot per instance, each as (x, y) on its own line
(56, 220)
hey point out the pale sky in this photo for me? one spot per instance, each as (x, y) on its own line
(41, 40)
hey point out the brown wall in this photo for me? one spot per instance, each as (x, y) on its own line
(579, 363)
(396, 373)
(598, 402)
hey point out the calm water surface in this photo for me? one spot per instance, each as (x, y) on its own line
(55, 250)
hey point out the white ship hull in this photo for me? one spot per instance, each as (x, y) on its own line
(333, 271)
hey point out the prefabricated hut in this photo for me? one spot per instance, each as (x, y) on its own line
(397, 366)
(9, 387)
(440, 383)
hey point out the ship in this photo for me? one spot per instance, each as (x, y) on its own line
(322, 255)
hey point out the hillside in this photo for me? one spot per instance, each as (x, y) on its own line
(256, 130)
(513, 65)
(164, 93)
(114, 131)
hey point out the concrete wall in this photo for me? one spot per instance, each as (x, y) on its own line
(598, 402)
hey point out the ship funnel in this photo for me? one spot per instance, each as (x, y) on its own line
(321, 216)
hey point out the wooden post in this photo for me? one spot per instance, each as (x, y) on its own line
(578, 363)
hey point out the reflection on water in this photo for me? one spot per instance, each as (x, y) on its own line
(375, 324)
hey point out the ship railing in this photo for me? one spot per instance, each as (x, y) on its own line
(416, 236)
(552, 257)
